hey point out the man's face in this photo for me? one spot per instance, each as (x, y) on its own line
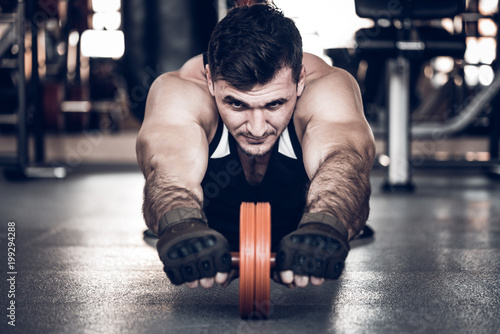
(256, 118)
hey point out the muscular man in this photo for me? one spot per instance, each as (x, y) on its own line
(256, 119)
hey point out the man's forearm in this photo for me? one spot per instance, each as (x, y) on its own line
(341, 187)
(162, 195)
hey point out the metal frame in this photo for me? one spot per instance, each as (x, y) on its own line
(20, 160)
(398, 176)
(399, 131)
(15, 36)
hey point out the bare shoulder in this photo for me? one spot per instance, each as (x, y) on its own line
(330, 91)
(317, 68)
(191, 74)
(182, 96)
(330, 99)
(329, 113)
(194, 70)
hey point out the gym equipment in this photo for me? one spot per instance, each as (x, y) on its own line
(18, 164)
(255, 260)
(400, 46)
(13, 39)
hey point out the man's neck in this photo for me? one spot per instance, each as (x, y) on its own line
(254, 166)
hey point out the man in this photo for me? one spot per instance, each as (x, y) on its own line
(260, 122)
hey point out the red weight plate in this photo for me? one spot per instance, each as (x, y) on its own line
(262, 260)
(247, 258)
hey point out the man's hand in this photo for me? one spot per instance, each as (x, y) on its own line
(314, 252)
(191, 252)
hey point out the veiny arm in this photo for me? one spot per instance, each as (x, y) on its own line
(338, 144)
(172, 145)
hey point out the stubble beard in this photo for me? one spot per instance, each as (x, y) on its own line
(253, 154)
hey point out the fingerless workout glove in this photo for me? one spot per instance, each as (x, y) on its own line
(318, 247)
(189, 249)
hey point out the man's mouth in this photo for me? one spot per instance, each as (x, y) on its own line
(254, 140)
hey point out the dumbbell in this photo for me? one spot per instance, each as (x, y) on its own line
(254, 260)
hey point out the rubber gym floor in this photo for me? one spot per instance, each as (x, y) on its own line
(83, 266)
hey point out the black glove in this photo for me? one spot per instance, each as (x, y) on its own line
(189, 249)
(317, 248)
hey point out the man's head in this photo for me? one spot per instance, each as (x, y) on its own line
(255, 73)
(251, 44)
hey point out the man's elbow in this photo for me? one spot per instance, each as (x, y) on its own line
(144, 153)
(365, 150)
(139, 152)
(367, 154)
(370, 149)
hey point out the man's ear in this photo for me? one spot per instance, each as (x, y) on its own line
(302, 81)
(209, 80)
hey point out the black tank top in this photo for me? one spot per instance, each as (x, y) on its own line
(284, 185)
(225, 187)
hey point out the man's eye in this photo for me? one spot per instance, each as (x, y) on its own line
(275, 105)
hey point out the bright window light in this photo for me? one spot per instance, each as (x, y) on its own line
(106, 5)
(103, 43)
(448, 25)
(439, 79)
(331, 24)
(472, 51)
(471, 75)
(487, 49)
(487, 27)
(486, 75)
(443, 64)
(108, 21)
(73, 38)
(488, 7)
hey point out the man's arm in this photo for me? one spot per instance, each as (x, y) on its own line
(172, 145)
(338, 151)
(172, 151)
(338, 145)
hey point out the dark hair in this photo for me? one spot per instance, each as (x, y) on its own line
(238, 3)
(251, 44)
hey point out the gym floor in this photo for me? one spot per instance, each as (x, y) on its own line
(83, 265)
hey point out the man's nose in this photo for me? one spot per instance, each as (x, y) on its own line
(257, 123)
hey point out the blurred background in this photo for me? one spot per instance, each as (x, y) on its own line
(74, 78)
(75, 74)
